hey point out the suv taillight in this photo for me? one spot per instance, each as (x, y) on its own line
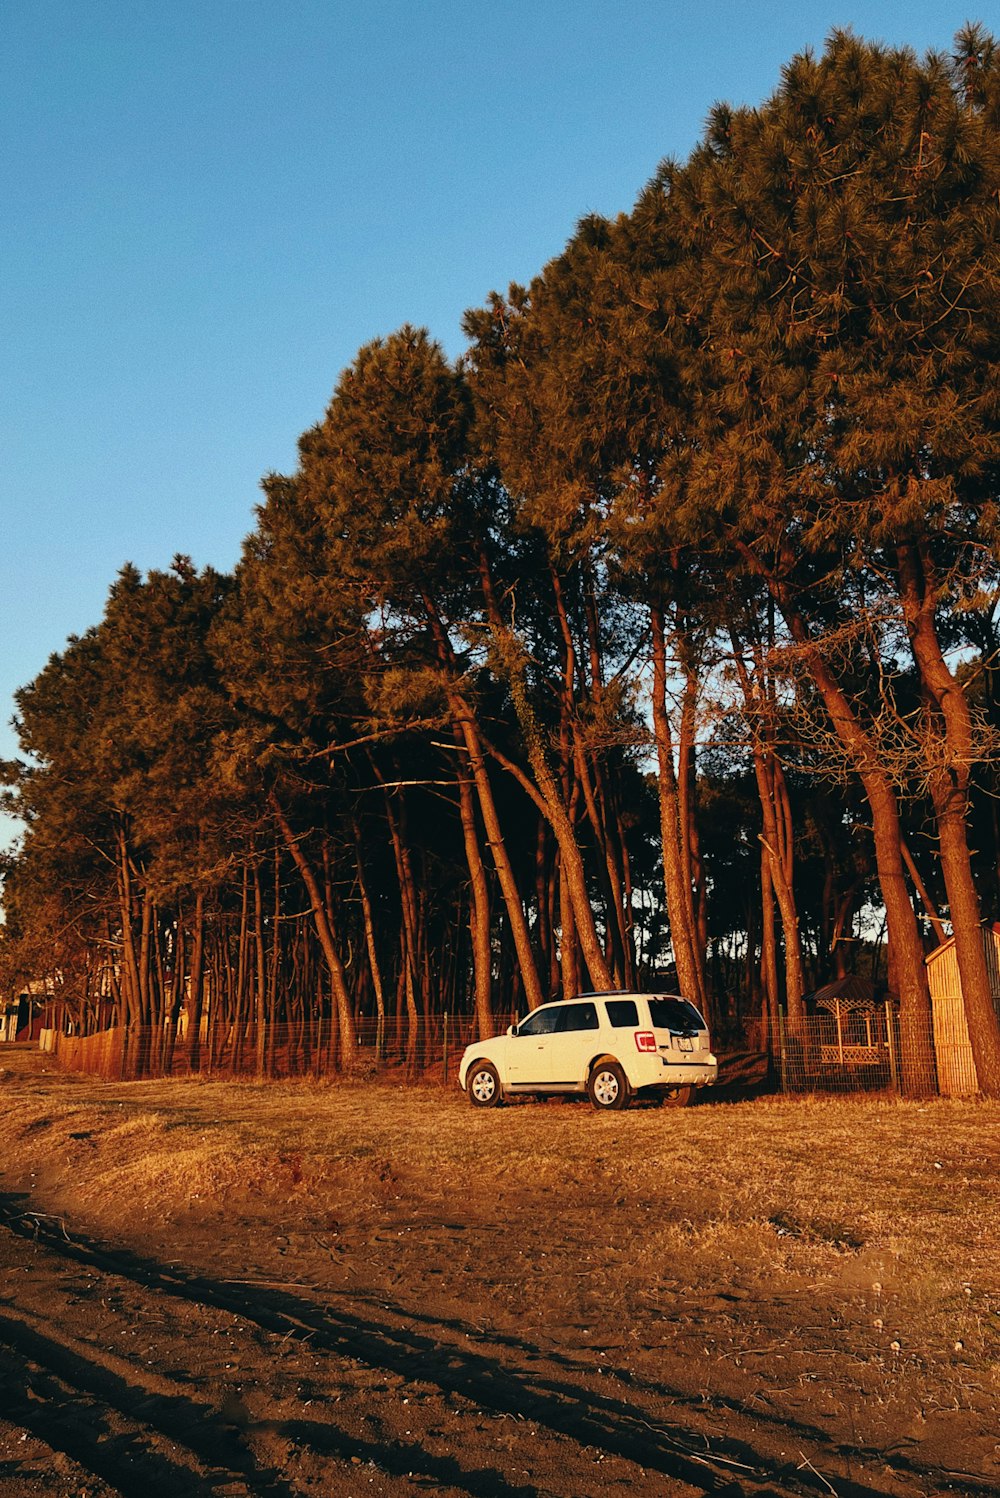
(645, 1040)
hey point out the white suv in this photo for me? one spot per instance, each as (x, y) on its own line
(607, 1045)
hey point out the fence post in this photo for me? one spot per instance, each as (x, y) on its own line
(783, 1057)
(890, 1030)
(444, 1048)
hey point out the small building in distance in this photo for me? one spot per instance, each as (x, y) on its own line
(9, 1009)
(21, 1015)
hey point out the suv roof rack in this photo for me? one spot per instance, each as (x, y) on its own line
(607, 993)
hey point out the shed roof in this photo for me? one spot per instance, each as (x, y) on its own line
(992, 928)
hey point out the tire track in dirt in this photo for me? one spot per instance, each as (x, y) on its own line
(112, 1425)
(109, 1433)
(566, 1412)
(130, 1427)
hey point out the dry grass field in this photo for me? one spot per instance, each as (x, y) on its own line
(346, 1289)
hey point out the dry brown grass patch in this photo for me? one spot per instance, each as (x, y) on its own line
(840, 1227)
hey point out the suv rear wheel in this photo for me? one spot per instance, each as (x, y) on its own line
(607, 1086)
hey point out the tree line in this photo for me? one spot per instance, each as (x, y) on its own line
(656, 635)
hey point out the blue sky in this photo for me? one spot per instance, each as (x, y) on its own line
(210, 206)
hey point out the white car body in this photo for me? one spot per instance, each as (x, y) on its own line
(610, 1045)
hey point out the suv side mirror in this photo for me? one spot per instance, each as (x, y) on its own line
(511, 1029)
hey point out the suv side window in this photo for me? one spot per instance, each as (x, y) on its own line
(623, 1014)
(542, 1022)
(578, 1017)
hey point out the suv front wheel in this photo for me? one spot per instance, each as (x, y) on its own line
(607, 1087)
(484, 1086)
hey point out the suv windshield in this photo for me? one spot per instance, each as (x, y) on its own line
(676, 1015)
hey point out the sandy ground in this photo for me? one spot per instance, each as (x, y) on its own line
(211, 1288)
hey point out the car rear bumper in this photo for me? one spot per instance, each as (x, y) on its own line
(664, 1071)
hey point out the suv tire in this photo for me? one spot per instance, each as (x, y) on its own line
(483, 1085)
(607, 1087)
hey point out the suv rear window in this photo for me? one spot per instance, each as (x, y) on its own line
(676, 1015)
(623, 1014)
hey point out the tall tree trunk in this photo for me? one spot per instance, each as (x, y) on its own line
(552, 908)
(777, 842)
(777, 837)
(464, 718)
(694, 873)
(176, 996)
(240, 1016)
(841, 920)
(608, 872)
(408, 905)
(479, 901)
(930, 909)
(573, 770)
(146, 960)
(545, 790)
(673, 828)
(131, 987)
(952, 752)
(543, 904)
(371, 946)
(569, 946)
(196, 981)
(916, 1030)
(260, 1011)
(628, 894)
(275, 965)
(324, 932)
(498, 851)
(612, 835)
(768, 953)
(549, 800)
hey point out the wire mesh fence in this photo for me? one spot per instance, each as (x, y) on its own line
(859, 1049)
(313, 1047)
(848, 1051)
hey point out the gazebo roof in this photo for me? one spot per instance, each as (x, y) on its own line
(847, 994)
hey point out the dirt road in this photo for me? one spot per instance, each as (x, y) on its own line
(298, 1336)
(158, 1381)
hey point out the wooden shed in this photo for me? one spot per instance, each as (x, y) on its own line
(955, 1066)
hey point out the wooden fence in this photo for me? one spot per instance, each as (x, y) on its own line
(310, 1048)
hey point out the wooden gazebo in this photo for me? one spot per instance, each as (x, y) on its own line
(855, 1023)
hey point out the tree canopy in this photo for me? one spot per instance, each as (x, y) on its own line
(653, 640)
